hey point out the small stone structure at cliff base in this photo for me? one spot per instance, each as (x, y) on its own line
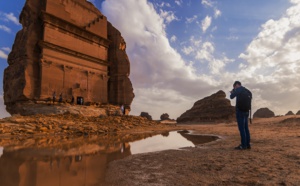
(69, 48)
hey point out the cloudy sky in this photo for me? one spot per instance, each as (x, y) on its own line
(184, 50)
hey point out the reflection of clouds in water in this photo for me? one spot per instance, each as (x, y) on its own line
(158, 143)
(1, 151)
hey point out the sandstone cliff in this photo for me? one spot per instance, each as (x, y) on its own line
(214, 108)
(66, 48)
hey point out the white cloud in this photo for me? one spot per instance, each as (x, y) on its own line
(7, 49)
(5, 28)
(173, 38)
(206, 22)
(207, 3)
(218, 13)
(192, 19)
(168, 16)
(178, 2)
(188, 50)
(3, 55)
(11, 17)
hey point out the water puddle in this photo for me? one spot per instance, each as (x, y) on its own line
(169, 140)
(81, 161)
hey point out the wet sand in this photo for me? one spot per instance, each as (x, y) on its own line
(273, 160)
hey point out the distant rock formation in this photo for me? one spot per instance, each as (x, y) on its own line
(298, 113)
(68, 48)
(289, 113)
(214, 108)
(164, 116)
(263, 113)
(146, 115)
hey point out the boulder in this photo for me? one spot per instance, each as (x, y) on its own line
(289, 113)
(214, 108)
(164, 116)
(146, 115)
(263, 113)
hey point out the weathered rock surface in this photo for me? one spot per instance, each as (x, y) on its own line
(298, 113)
(214, 108)
(146, 115)
(65, 47)
(289, 113)
(164, 116)
(263, 113)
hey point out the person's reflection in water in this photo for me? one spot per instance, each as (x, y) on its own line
(78, 158)
(51, 163)
(58, 162)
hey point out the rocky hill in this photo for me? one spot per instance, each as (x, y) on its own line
(214, 108)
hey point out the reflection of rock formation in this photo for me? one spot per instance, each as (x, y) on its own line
(63, 51)
(214, 108)
(21, 167)
(197, 139)
(263, 113)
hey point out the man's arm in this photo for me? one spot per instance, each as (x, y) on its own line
(235, 92)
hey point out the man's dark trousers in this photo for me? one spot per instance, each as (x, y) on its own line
(242, 120)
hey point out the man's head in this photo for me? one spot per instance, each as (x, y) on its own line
(237, 84)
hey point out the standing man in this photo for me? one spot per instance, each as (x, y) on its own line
(243, 105)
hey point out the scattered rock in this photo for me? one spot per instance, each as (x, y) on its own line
(263, 113)
(164, 116)
(289, 113)
(146, 115)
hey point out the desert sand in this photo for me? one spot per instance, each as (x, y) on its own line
(273, 160)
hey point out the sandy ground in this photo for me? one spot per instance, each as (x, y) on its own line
(273, 160)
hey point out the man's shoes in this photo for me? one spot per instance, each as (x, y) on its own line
(240, 147)
(249, 147)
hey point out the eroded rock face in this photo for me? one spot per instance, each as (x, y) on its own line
(298, 113)
(65, 47)
(214, 108)
(263, 113)
(289, 113)
(120, 87)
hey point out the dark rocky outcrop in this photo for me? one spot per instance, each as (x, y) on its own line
(146, 115)
(263, 113)
(164, 116)
(214, 108)
(289, 113)
(298, 113)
